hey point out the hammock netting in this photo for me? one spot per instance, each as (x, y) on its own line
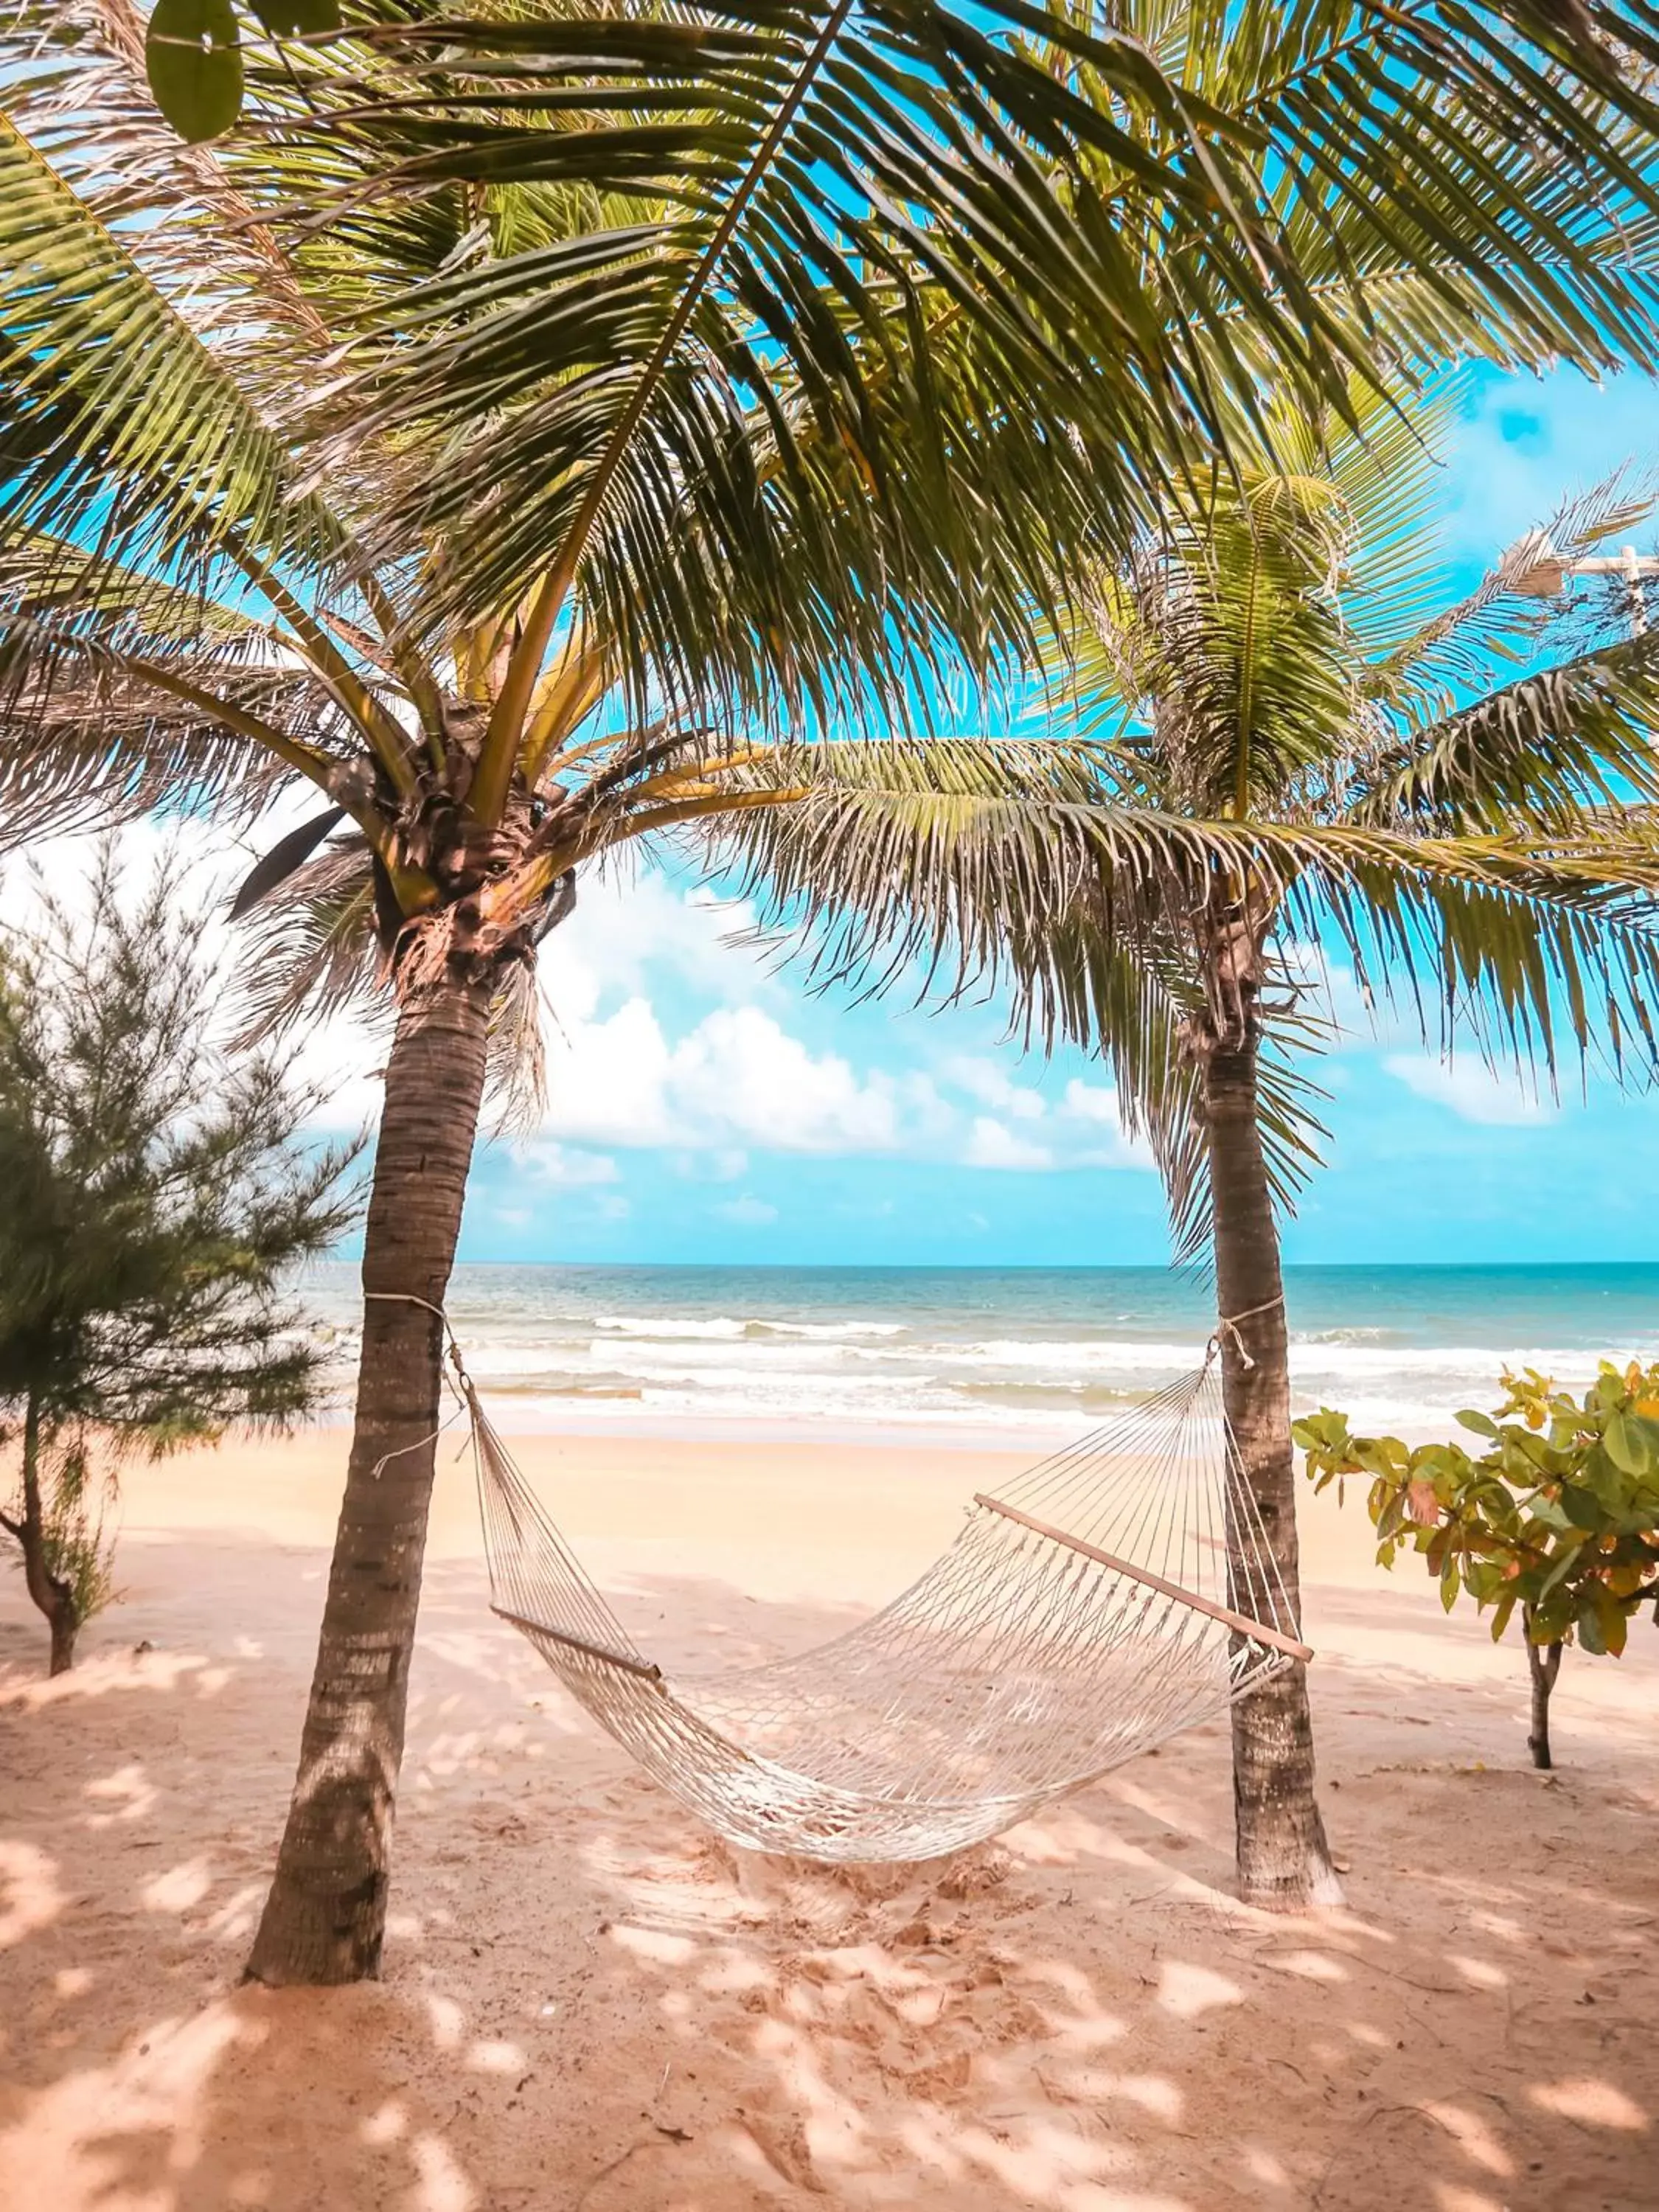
(1120, 1592)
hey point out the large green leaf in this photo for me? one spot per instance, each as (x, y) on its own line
(193, 50)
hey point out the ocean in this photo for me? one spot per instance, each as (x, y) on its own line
(998, 1353)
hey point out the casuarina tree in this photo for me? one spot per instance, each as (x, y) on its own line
(159, 1197)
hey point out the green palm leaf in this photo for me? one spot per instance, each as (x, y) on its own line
(117, 420)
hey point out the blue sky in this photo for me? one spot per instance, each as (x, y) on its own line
(706, 1108)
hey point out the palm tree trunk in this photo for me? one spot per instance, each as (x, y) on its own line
(1283, 1856)
(325, 1918)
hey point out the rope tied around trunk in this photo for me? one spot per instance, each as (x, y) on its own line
(1228, 1325)
(463, 1392)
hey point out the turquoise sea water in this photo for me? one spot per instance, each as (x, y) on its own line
(997, 1350)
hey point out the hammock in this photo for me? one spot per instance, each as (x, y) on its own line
(1120, 1592)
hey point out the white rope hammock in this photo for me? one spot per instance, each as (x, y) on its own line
(1120, 1592)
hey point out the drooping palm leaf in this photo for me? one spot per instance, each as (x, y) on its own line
(118, 423)
(1404, 145)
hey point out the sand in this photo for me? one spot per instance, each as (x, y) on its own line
(590, 2005)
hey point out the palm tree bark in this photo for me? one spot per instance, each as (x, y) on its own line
(324, 1919)
(1283, 1857)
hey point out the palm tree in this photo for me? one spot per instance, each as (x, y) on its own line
(524, 420)
(1285, 750)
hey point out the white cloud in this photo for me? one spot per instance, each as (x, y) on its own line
(1468, 1089)
(1097, 1108)
(993, 1087)
(738, 1066)
(632, 929)
(737, 1082)
(607, 1079)
(735, 1079)
(748, 1211)
(718, 1163)
(993, 1143)
(1095, 1102)
(1083, 1128)
(568, 1170)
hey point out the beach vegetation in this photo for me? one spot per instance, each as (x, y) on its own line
(531, 434)
(1307, 784)
(1554, 1526)
(158, 1197)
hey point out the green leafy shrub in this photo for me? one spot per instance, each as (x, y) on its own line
(1558, 1519)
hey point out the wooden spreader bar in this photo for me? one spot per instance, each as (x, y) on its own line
(1257, 1631)
(642, 1668)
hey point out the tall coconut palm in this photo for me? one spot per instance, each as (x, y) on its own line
(1299, 753)
(526, 418)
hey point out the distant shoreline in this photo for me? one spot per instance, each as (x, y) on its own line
(1291, 1268)
(1026, 1358)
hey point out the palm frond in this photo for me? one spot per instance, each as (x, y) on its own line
(120, 428)
(1499, 627)
(516, 1057)
(1538, 750)
(1531, 941)
(86, 741)
(1432, 170)
(1293, 1138)
(312, 948)
(937, 182)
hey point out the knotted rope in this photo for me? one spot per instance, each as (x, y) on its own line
(1228, 1325)
(463, 1386)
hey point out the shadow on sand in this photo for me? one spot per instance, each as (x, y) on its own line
(591, 2006)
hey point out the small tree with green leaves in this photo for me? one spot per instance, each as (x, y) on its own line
(1557, 1517)
(157, 1197)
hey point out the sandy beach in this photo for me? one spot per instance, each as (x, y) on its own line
(590, 2005)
